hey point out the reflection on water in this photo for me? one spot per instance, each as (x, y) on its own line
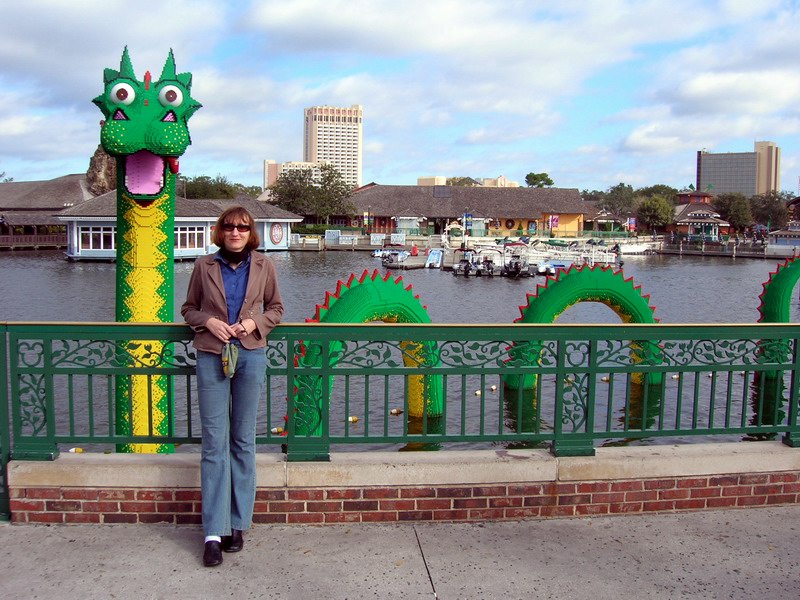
(43, 286)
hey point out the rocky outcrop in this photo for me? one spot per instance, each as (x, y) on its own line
(102, 173)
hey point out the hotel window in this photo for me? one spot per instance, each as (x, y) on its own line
(189, 237)
(97, 238)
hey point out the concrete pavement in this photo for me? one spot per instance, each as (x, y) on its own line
(743, 553)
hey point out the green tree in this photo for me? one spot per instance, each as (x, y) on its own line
(293, 190)
(592, 196)
(538, 180)
(254, 191)
(770, 209)
(5, 179)
(332, 196)
(655, 212)
(203, 186)
(734, 208)
(298, 192)
(619, 202)
(660, 189)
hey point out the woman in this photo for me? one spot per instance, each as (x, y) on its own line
(233, 297)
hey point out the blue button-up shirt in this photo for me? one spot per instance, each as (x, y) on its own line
(235, 282)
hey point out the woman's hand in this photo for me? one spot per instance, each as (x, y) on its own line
(244, 328)
(222, 330)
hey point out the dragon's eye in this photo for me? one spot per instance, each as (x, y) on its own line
(122, 93)
(170, 95)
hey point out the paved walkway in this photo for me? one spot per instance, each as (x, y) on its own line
(746, 553)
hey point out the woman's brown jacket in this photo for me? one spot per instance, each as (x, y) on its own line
(206, 299)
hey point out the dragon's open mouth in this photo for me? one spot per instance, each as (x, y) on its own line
(145, 174)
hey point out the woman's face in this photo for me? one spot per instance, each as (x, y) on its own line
(236, 232)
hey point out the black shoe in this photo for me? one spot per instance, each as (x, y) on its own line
(212, 556)
(233, 542)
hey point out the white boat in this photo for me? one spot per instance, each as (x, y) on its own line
(386, 250)
(550, 267)
(636, 248)
(434, 260)
(478, 263)
(517, 266)
(394, 257)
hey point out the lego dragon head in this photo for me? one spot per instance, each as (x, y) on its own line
(145, 125)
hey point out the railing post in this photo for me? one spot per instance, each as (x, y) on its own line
(313, 444)
(5, 429)
(573, 443)
(790, 438)
(41, 445)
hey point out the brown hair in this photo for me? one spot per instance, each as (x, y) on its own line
(231, 215)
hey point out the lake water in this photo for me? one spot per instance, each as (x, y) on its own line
(43, 286)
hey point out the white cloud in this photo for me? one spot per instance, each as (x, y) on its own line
(471, 86)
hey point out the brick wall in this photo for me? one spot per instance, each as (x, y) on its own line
(391, 503)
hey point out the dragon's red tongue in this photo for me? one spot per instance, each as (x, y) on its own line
(144, 173)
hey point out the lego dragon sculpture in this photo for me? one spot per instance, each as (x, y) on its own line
(145, 129)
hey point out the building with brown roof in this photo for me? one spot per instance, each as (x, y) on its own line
(490, 211)
(27, 210)
(63, 213)
(91, 226)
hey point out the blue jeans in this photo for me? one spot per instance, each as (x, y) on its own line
(228, 419)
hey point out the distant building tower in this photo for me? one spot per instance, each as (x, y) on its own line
(748, 173)
(273, 170)
(334, 135)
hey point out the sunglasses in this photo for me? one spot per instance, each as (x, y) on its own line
(230, 227)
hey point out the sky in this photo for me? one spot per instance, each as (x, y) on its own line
(594, 93)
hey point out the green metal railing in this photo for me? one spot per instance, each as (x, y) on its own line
(406, 387)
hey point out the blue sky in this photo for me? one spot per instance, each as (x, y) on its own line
(592, 92)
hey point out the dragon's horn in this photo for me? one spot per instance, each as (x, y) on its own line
(125, 66)
(169, 68)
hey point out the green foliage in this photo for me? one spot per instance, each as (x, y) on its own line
(217, 188)
(297, 192)
(655, 211)
(333, 195)
(770, 208)
(4, 179)
(592, 195)
(203, 186)
(538, 180)
(618, 201)
(735, 209)
(254, 191)
(665, 191)
(292, 191)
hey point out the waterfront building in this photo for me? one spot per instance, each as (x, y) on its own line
(27, 210)
(699, 221)
(63, 213)
(747, 173)
(335, 135)
(91, 226)
(487, 211)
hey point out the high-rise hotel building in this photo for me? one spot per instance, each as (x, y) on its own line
(334, 135)
(748, 173)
